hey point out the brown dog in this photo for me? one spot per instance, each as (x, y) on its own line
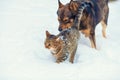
(92, 15)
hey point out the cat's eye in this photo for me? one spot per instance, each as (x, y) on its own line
(49, 45)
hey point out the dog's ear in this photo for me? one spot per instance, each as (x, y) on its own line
(60, 4)
(47, 34)
(73, 5)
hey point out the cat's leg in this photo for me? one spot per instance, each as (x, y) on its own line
(59, 56)
(72, 55)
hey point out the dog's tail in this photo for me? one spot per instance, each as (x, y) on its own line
(79, 14)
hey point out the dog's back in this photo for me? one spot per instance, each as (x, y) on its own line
(99, 10)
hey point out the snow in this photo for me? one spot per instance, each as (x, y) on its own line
(23, 56)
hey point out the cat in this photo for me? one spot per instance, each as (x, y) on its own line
(65, 43)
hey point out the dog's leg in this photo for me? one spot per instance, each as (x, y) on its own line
(72, 55)
(104, 26)
(92, 40)
(104, 21)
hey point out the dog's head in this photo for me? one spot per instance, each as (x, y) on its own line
(66, 14)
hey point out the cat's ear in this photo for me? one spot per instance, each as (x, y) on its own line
(47, 34)
(57, 39)
(71, 1)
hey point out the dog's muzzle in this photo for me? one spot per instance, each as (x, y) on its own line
(60, 29)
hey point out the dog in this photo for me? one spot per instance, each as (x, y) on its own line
(97, 12)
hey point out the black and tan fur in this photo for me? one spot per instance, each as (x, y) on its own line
(96, 13)
(65, 43)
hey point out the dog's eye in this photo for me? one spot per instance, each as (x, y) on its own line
(66, 20)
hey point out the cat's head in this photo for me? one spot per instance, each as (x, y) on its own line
(52, 42)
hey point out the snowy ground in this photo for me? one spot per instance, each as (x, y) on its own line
(23, 56)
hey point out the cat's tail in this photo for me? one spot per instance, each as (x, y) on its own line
(80, 13)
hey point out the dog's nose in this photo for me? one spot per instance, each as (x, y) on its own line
(60, 29)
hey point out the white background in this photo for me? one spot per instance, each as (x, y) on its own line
(22, 54)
